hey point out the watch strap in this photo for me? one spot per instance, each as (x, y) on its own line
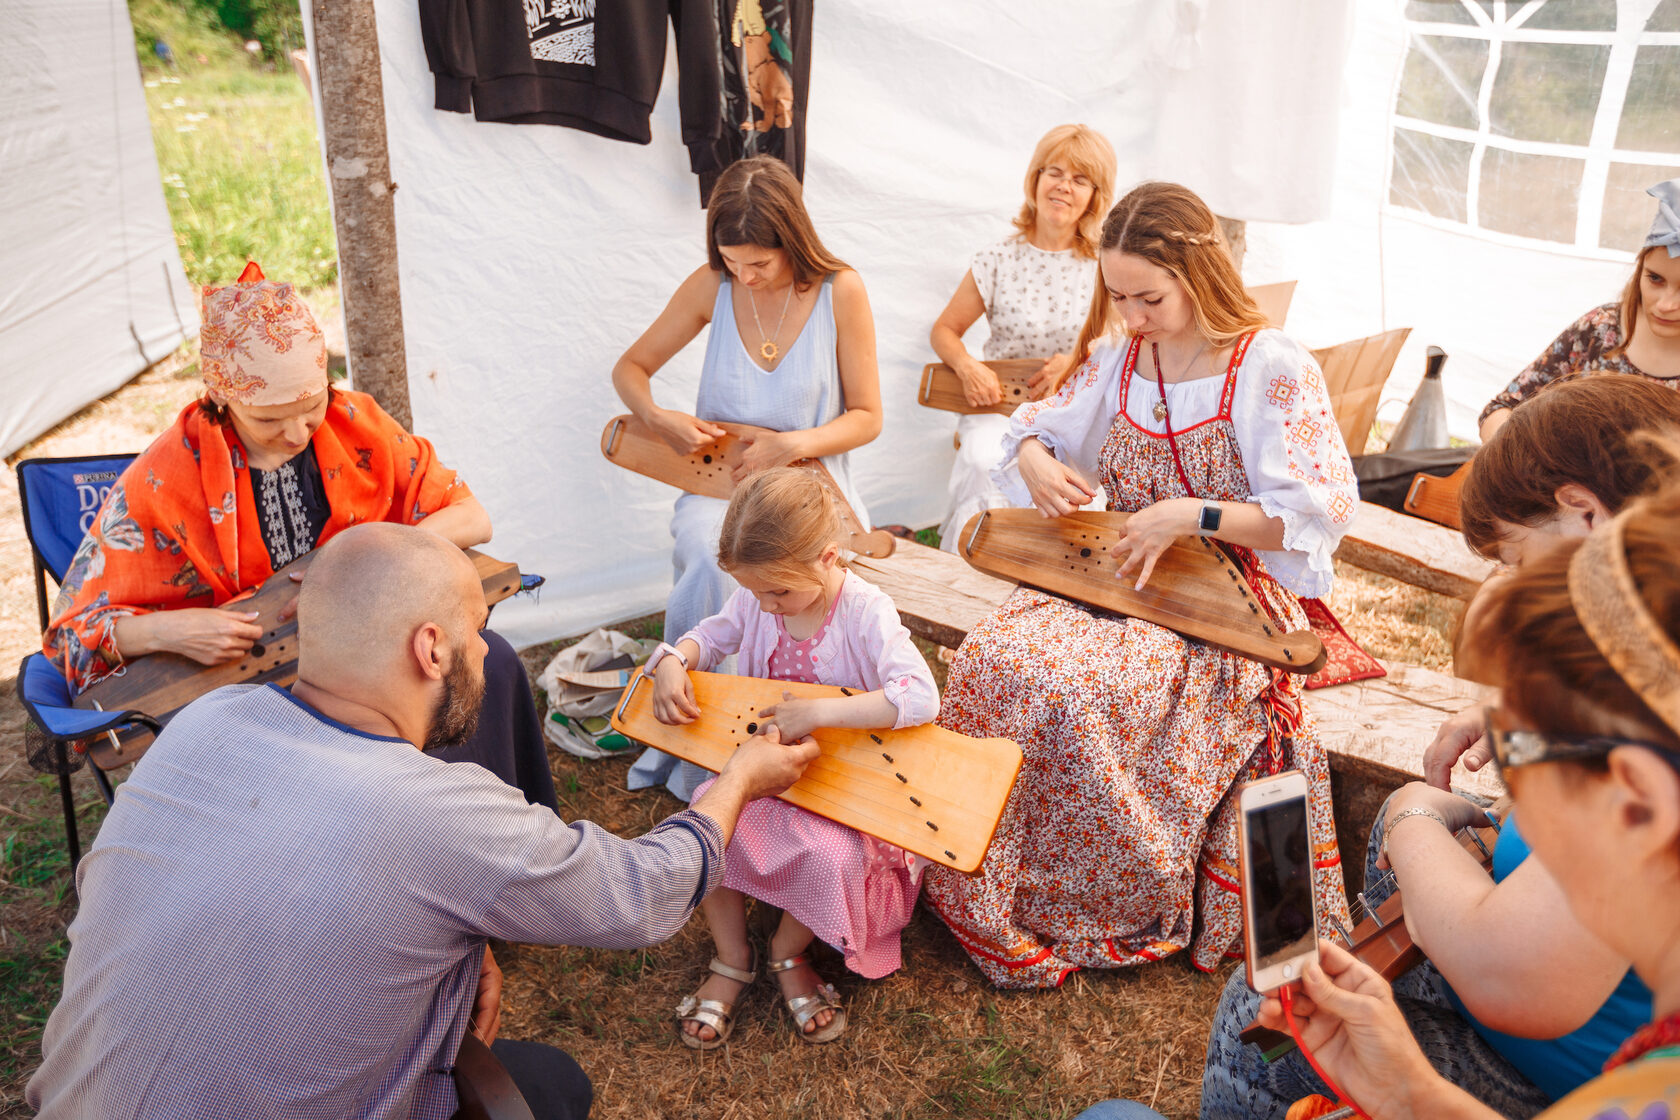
(664, 650)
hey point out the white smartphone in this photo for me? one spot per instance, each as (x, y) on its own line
(1275, 853)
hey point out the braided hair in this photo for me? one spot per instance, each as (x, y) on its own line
(1169, 226)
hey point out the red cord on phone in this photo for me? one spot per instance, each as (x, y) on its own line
(1287, 998)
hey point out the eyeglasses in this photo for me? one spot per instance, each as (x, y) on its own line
(1058, 175)
(1512, 749)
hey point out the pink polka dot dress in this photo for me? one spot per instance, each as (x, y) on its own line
(854, 892)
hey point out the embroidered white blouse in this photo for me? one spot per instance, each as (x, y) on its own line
(1297, 465)
(864, 646)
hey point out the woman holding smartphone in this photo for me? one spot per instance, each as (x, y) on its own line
(1564, 465)
(1585, 643)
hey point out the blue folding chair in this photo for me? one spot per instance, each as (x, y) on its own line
(61, 497)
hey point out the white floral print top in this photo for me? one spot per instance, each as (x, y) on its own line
(1035, 299)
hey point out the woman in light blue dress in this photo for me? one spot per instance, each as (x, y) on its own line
(791, 349)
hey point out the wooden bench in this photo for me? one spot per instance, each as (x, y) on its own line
(1413, 551)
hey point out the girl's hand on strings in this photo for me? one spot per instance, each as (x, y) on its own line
(795, 719)
(673, 693)
(1348, 1019)
(1056, 489)
(1149, 533)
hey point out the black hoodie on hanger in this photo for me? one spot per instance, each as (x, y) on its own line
(744, 69)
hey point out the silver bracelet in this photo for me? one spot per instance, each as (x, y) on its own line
(1414, 811)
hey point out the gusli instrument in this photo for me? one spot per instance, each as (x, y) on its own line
(1196, 589)
(161, 684)
(941, 388)
(928, 790)
(631, 444)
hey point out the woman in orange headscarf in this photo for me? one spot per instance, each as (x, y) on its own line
(267, 465)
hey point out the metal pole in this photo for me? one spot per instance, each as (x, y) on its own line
(352, 112)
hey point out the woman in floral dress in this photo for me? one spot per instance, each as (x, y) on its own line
(1638, 334)
(1118, 844)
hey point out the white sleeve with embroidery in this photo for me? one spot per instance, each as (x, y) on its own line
(1072, 423)
(1297, 465)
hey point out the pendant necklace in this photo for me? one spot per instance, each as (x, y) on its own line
(1155, 353)
(768, 348)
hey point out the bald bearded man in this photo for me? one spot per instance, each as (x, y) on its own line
(307, 940)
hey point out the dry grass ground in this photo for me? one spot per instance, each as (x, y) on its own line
(932, 1041)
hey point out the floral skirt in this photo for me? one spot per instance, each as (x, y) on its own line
(1118, 844)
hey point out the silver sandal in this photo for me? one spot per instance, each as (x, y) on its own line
(714, 1013)
(807, 1007)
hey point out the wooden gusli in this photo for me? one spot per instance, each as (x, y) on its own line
(942, 389)
(161, 684)
(631, 444)
(1196, 589)
(928, 790)
(1435, 498)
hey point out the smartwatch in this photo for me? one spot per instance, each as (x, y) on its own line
(1208, 521)
(666, 649)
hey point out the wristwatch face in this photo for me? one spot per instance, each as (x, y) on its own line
(1209, 522)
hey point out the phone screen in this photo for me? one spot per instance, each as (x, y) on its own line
(1280, 876)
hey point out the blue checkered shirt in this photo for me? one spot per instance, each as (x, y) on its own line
(283, 917)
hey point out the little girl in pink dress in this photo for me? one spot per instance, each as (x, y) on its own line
(800, 616)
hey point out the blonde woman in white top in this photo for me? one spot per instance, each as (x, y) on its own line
(1034, 288)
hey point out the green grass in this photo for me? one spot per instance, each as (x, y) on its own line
(238, 153)
(34, 877)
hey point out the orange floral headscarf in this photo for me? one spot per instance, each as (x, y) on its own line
(259, 345)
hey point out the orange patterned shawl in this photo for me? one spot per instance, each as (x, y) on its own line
(180, 528)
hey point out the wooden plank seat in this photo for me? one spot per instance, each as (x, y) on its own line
(1413, 551)
(1376, 730)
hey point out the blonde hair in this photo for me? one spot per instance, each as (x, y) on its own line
(779, 523)
(1170, 227)
(757, 201)
(1083, 151)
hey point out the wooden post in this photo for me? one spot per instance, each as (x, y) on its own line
(1236, 236)
(352, 98)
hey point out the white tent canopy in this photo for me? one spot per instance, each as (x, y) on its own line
(93, 290)
(532, 256)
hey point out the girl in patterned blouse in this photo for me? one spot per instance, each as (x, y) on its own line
(798, 615)
(1638, 334)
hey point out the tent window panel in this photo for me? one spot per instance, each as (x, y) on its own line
(1439, 11)
(1547, 91)
(1441, 79)
(1530, 196)
(1628, 210)
(1572, 15)
(1665, 18)
(1431, 173)
(1650, 120)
